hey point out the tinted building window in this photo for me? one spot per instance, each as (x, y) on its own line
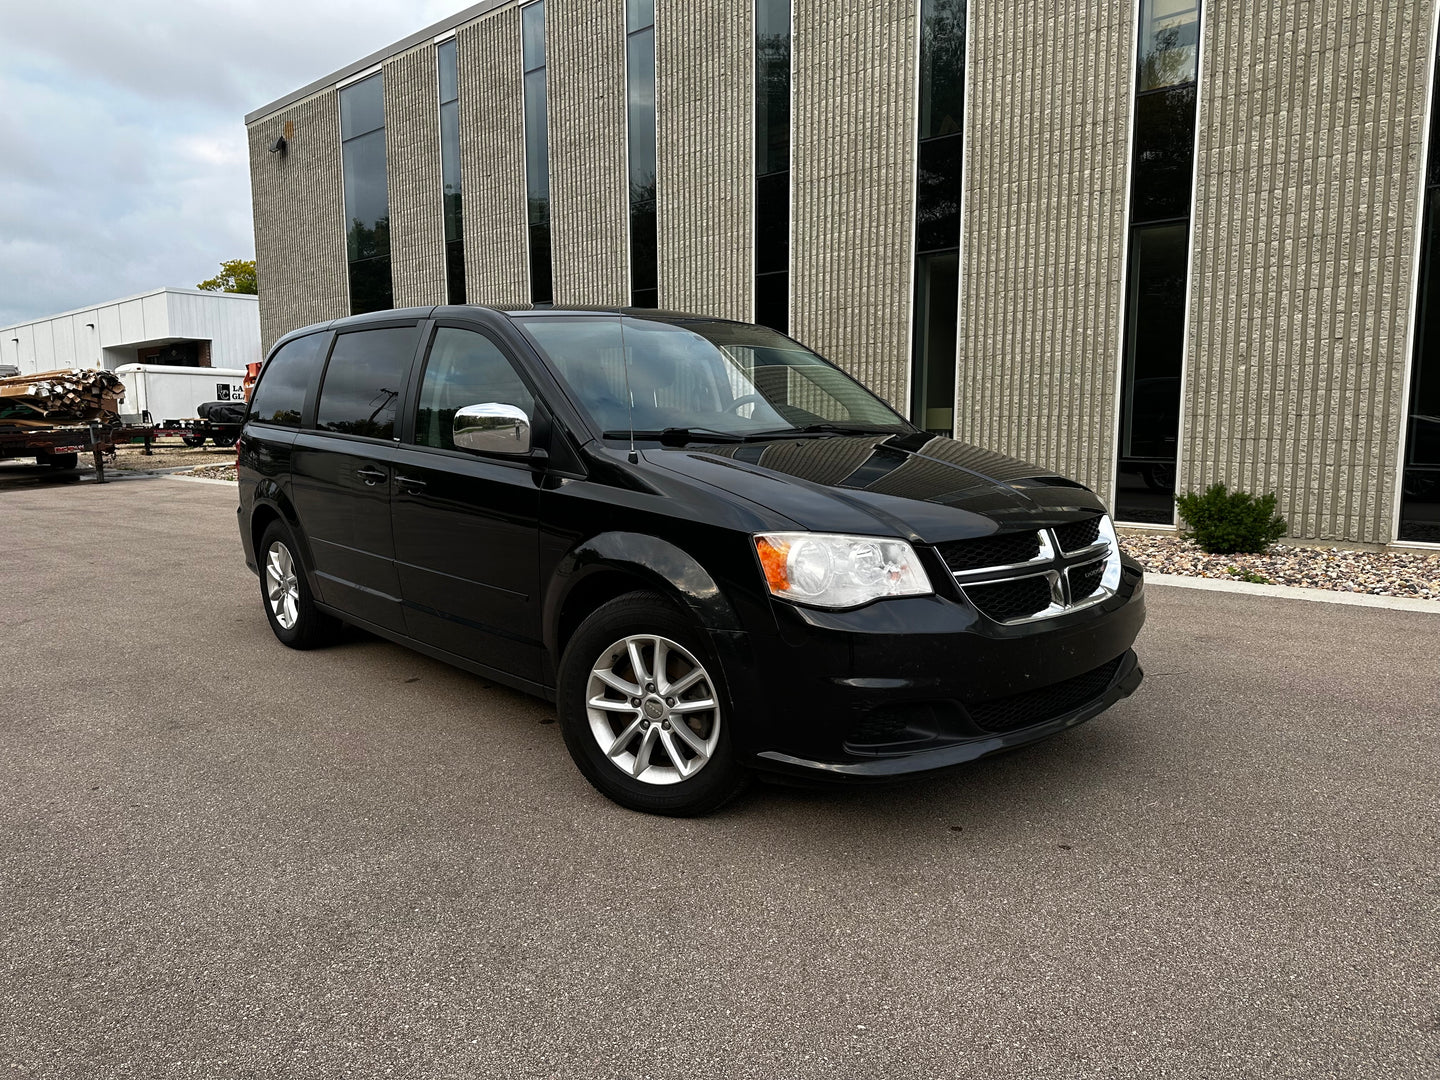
(537, 144)
(1162, 177)
(1169, 43)
(367, 197)
(1420, 474)
(772, 163)
(464, 368)
(941, 156)
(450, 172)
(640, 94)
(279, 396)
(363, 380)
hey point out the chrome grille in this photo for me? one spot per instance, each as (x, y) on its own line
(1007, 601)
(1023, 576)
(1078, 535)
(1003, 549)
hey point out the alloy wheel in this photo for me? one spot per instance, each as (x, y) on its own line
(653, 710)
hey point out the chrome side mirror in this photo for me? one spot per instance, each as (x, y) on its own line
(492, 428)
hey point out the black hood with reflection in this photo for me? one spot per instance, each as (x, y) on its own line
(924, 485)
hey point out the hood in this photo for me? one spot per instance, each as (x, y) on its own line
(921, 486)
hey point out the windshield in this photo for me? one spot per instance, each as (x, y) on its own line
(715, 378)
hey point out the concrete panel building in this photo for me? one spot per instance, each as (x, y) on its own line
(1150, 244)
(175, 327)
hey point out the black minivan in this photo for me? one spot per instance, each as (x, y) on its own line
(714, 550)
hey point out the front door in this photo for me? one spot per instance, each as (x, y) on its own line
(466, 524)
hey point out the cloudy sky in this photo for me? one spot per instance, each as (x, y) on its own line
(123, 161)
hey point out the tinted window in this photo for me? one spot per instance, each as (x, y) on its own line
(1164, 154)
(465, 368)
(279, 396)
(1169, 42)
(363, 381)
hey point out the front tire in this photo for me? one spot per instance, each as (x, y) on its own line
(644, 712)
(289, 605)
(58, 462)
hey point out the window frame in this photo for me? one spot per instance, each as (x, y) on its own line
(430, 329)
(312, 405)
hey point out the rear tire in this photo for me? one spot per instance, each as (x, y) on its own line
(193, 441)
(285, 593)
(224, 441)
(644, 712)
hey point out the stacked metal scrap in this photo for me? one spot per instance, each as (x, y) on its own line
(60, 397)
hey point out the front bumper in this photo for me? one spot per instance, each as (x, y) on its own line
(911, 686)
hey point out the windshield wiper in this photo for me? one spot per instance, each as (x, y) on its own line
(678, 436)
(828, 428)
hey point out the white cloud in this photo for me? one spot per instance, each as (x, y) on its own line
(123, 159)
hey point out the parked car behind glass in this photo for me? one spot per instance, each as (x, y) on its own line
(714, 550)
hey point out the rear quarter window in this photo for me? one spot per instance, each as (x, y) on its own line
(279, 396)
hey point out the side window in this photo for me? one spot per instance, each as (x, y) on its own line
(279, 396)
(465, 368)
(363, 382)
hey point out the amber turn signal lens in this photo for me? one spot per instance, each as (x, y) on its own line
(773, 555)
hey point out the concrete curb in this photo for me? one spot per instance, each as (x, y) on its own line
(224, 483)
(1295, 592)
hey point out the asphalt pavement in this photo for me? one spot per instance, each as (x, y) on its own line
(221, 858)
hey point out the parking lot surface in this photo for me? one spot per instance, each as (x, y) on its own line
(222, 858)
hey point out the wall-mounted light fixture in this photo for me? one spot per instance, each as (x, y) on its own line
(278, 146)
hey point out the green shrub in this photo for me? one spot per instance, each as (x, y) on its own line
(1225, 523)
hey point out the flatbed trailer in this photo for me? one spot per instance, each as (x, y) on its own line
(195, 432)
(60, 447)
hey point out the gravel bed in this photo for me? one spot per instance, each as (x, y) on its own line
(212, 472)
(1379, 573)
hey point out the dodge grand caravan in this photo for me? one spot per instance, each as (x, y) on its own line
(714, 550)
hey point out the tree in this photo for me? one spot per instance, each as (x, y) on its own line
(236, 275)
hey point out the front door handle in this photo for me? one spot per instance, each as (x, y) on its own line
(370, 475)
(410, 484)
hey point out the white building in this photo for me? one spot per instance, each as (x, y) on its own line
(178, 327)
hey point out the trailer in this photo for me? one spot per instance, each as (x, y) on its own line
(166, 392)
(219, 421)
(60, 446)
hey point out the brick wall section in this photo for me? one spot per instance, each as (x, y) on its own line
(1308, 196)
(589, 191)
(412, 170)
(705, 205)
(299, 212)
(492, 160)
(1044, 232)
(853, 185)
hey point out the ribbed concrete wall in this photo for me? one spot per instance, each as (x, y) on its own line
(299, 213)
(1044, 231)
(589, 190)
(705, 204)
(1308, 194)
(492, 160)
(412, 169)
(852, 185)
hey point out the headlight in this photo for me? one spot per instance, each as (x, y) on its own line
(830, 571)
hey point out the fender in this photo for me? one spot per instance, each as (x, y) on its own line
(270, 495)
(648, 557)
